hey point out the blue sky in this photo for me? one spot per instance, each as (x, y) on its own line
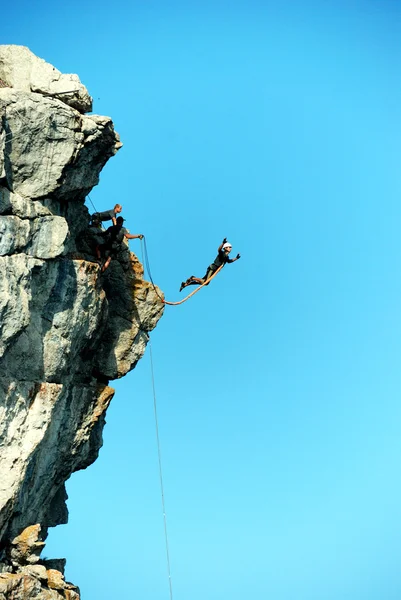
(278, 387)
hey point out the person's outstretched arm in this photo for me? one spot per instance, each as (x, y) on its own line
(130, 236)
(231, 260)
(220, 248)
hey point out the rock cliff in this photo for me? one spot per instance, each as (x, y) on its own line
(65, 328)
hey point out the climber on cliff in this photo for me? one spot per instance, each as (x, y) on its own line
(221, 259)
(107, 215)
(113, 238)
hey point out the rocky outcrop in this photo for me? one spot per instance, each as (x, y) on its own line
(27, 577)
(22, 70)
(66, 330)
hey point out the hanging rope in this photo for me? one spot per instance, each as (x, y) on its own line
(146, 262)
(94, 207)
(160, 473)
(159, 455)
(195, 291)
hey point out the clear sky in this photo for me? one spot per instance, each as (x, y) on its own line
(277, 125)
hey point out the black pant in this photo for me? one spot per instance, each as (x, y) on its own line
(210, 271)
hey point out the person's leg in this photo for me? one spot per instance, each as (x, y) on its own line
(191, 281)
(95, 220)
(194, 281)
(106, 264)
(208, 275)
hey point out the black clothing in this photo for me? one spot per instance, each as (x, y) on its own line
(106, 215)
(99, 217)
(113, 237)
(221, 259)
(115, 234)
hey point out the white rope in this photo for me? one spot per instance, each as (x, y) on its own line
(159, 455)
(161, 474)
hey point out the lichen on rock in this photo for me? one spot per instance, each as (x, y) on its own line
(65, 329)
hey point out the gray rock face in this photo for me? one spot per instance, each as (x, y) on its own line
(43, 237)
(49, 148)
(65, 329)
(22, 70)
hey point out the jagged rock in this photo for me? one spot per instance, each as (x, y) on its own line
(20, 586)
(59, 431)
(43, 237)
(26, 547)
(55, 579)
(58, 564)
(24, 208)
(38, 571)
(22, 70)
(132, 316)
(71, 595)
(65, 328)
(48, 148)
(61, 306)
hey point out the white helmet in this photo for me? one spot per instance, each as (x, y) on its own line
(227, 246)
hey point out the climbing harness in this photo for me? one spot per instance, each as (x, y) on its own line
(146, 262)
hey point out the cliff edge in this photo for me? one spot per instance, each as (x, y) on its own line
(65, 329)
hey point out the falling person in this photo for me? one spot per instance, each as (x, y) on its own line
(221, 259)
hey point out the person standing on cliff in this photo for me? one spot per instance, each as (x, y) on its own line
(107, 215)
(114, 237)
(221, 259)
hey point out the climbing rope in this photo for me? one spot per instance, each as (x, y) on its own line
(159, 455)
(160, 473)
(196, 290)
(146, 262)
(94, 207)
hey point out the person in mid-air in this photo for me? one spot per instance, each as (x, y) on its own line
(221, 259)
(107, 215)
(113, 238)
